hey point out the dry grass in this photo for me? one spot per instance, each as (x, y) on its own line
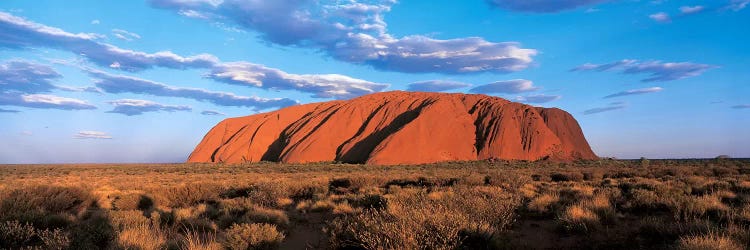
(708, 242)
(253, 236)
(605, 204)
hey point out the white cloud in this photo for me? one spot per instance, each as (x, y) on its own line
(636, 92)
(212, 112)
(661, 17)
(691, 9)
(30, 34)
(91, 135)
(112, 83)
(125, 35)
(357, 33)
(660, 71)
(132, 107)
(540, 98)
(320, 85)
(508, 87)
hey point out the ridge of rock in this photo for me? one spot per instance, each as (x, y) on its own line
(398, 127)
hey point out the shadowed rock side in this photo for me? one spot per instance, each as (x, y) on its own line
(398, 128)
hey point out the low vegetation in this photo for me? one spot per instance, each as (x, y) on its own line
(606, 204)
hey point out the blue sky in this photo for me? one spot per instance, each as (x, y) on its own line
(143, 81)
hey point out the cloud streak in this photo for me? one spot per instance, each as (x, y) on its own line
(687, 10)
(436, 85)
(43, 101)
(91, 135)
(356, 32)
(320, 85)
(741, 106)
(131, 107)
(19, 33)
(659, 71)
(540, 98)
(212, 112)
(542, 6)
(125, 35)
(661, 17)
(8, 111)
(26, 77)
(115, 84)
(612, 106)
(514, 86)
(635, 92)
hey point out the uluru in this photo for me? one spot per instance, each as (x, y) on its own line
(398, 127)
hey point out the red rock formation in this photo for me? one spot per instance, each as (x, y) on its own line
(398, 128)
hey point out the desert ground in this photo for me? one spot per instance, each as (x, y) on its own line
(604, 204)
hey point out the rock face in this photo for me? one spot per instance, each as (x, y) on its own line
(398, 128)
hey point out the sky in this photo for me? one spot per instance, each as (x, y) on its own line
(143, 81)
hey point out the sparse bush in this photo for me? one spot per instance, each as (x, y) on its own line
(253, 236)
(544, 204)
(607, 204)
(577, 218)
(141, 237)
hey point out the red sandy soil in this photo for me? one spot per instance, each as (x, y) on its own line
(398, 128)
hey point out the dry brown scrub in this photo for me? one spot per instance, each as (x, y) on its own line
(687, 204)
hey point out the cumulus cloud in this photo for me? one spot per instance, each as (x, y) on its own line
(125, 35)
(132, 107)
(357, 33)
(508, 87)
(30, 34)
(320, 85)
(661, 17)
(211, 112)
(26, 77)
(18, 33)
(95, 22)
(610, 107)
(91, 135)
(436, 85)
(542, 6)
(687, 10)
(112, 83)
(660, 71)
(636, 92)
(540, 98)
(742, 106)
(43, 101)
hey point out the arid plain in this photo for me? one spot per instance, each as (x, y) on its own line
(603, 204)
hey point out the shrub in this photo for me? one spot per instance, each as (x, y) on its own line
(191, 194)
(544, 204)
(93, 233)
(32, 203)
(264, 215)
(576, 218)
(253, 236)
(122, 220)
(558, 177)
(708, 242)
(141, 237)
(16, 235)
